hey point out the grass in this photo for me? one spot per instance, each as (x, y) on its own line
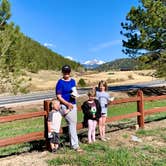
(97, 154)
(21, 127)
(102, 154)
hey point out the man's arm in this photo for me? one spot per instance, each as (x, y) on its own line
(62, 100)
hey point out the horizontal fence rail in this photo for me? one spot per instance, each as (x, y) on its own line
(22, 116)
(21, 139)
(141, 112)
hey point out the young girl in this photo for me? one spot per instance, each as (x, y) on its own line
(54, 123)
(92, 112)
(104, 99)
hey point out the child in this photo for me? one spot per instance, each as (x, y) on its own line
(54, 123)
(92, 112)
(104, 98)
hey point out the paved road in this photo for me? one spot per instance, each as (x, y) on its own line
(6, 100)
(137, 86)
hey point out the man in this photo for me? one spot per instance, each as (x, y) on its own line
(64, 94)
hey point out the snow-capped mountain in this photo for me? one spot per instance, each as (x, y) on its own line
(92, 63)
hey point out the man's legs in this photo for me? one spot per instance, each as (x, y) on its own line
(71, 118)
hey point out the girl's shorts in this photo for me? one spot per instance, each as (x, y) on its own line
(103, 114)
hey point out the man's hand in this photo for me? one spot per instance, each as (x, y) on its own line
(70, 106)
(66, 112)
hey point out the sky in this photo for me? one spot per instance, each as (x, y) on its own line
(81, 30)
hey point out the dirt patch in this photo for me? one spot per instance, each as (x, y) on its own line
(123, 137)
(118, 138)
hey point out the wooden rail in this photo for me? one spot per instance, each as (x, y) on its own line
(22, 116)
(23, 138)
(140, 114)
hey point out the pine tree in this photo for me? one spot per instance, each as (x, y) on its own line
(145, 28)
(10, 73)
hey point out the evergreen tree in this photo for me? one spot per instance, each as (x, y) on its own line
(145, 28)
(10, 73)
(19, 53)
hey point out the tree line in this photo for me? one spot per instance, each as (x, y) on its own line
(19, 53)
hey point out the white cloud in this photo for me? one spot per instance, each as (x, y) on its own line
(49, 45)
(106, 45)
(69, 57)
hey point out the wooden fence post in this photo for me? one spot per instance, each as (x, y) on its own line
(140, 109)
(47, 109)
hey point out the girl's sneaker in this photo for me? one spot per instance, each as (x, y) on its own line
(107, 138)
(103, 139)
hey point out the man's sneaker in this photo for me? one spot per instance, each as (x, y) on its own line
(79, 150)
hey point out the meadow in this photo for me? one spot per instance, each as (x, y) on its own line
(120, 150)
(117, 155)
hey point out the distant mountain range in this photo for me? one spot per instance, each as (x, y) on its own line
(92, 64)
(118, 64)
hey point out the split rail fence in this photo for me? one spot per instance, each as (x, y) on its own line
(140, 114)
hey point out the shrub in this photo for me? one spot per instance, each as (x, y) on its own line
(81, 83)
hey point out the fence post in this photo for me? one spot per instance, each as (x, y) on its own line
(46, 108)
(140, 109)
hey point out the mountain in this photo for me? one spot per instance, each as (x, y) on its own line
(92, 64)
(119, 64)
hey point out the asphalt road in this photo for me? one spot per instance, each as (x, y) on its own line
(6, 100)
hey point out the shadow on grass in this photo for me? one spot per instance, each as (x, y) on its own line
(40, 145)
(6, 111)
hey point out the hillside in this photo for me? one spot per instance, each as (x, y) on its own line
(33, 56)
(119, 64)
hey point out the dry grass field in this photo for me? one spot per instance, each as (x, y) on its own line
(46, 80)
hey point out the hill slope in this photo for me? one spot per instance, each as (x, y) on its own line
(34, 56)
(124, 63)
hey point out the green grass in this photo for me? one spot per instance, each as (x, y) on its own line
(97, 154)
(21, 127)
(102, 154)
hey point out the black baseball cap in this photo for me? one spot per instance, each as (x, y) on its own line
(66, 69)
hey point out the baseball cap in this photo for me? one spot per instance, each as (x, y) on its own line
(66, 69)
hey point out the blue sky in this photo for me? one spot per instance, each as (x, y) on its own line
(80, 29)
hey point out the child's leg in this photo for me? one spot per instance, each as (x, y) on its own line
(94, 130)
(90, 128)
(52, 145)
(100, 127)
(56, 146)
(103, 125)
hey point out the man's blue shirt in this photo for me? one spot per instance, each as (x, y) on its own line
(64, 88)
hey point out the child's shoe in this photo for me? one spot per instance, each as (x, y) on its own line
(54, 150)
(103, 139)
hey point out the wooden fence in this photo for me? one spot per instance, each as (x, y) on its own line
(140, 114)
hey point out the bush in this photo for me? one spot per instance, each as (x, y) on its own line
(81, 83)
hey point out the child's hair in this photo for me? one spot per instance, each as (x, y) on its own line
(104, 83)
(54, 100)
(92, 93)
